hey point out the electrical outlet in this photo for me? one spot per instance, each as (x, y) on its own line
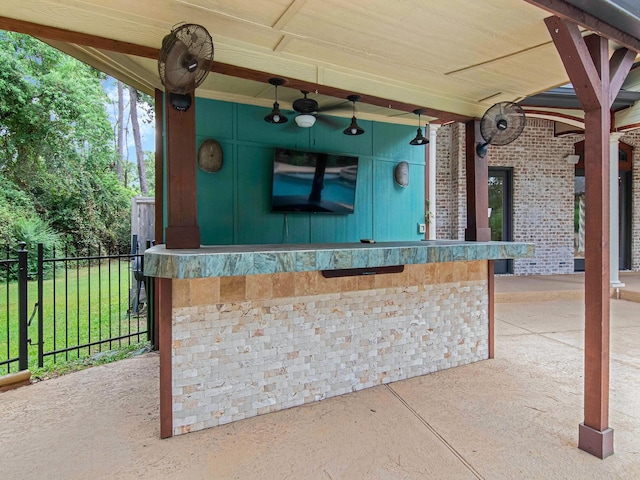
(422, 228)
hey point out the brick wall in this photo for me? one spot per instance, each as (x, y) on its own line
(244, 346)
(543, 196)
(633, 139)
(446, 202)
(543, 186)
(451, 206)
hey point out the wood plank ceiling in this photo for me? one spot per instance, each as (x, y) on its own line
(454, 56)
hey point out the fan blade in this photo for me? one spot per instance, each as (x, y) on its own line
(333, 122)
(346, 105)
(502, 123)
(178, 78)
(176, 52)
(403, 114)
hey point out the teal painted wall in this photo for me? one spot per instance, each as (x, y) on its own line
(234, 204)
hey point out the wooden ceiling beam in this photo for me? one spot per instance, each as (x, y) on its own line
(78, 38)
(619, 70)
(102, 43)
(566, 11)
(581, 68)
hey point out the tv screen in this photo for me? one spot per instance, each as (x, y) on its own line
(313, 182)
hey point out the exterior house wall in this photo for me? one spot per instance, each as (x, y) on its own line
(543, 186)
(446, 202)
(451, 206)
(543, 193)
(633, 139)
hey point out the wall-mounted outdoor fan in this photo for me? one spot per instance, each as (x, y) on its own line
(185, 60)
(500, 125)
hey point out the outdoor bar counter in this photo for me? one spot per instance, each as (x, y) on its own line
(251, 329)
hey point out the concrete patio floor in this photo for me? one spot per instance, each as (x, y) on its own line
(535, 288)
(514, 417)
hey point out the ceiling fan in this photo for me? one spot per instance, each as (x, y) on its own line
(307, 110)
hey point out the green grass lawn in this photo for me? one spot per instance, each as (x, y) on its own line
(82, 305)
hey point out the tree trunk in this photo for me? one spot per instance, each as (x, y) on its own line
(120, 133)
(133, 111)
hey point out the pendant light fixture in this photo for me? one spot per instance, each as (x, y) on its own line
(354, 128)
(420, 139)
(276, 115)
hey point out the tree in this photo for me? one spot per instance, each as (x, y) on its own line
(120, 131)
(56, 144)
(133, 112)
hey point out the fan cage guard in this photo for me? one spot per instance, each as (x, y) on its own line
(515, 119)
(198, 45)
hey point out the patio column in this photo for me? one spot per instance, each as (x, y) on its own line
(477, 187)
(159, 168)
(182, 220)
(597, 80)
(614, 206)
(431, 189)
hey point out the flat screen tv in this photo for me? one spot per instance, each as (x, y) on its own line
(313, 182)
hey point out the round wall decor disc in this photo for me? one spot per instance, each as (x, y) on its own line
(210, 156)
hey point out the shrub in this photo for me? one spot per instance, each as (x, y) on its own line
(33, 230)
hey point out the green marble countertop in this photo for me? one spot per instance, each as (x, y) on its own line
(231, 260)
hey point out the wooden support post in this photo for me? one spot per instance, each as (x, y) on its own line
(596, 147)
(182, 217)
(164, 294)
(159, 169)
(158, 225)
(596, 80)
(477, 187)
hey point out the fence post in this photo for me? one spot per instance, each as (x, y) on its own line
(41, 304)
(23, 348)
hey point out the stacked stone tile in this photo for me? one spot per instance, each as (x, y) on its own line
(248, 345)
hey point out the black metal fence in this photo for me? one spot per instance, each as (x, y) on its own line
(84, 302)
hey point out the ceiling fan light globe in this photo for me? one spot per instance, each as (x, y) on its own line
(305, 120)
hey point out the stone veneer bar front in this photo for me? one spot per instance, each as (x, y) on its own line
(252, 329)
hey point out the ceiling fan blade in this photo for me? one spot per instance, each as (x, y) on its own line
(401, 114)
(346, 105)
(333, 122)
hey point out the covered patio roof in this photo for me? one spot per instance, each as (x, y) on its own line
(454, 57)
